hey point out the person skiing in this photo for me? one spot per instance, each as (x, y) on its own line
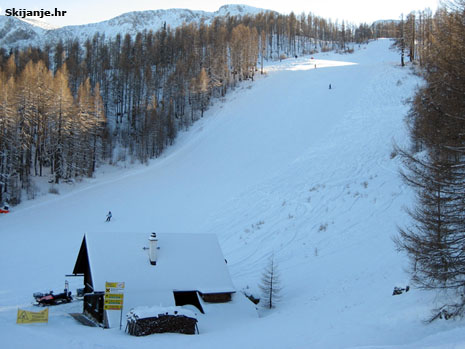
(109, 215)
(330, 86)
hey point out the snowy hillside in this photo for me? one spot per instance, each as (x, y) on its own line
(16, 32)
(283, 165)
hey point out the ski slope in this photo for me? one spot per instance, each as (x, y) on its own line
(282, 166)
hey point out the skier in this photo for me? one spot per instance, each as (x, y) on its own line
(330, 86)
(109, 215)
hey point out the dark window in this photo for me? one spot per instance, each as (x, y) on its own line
(187, 297)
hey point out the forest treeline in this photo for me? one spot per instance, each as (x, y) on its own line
(68, 107)
(434, 165)
(416, 33)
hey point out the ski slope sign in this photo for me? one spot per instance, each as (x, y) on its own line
(30, 317)
(114, 296)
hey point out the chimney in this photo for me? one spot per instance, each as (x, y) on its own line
(153, 246)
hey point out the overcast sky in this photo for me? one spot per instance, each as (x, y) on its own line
(89, 11)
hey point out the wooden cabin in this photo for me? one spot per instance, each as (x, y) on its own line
(157, 270)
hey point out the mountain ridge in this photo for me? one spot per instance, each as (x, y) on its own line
(15, 32)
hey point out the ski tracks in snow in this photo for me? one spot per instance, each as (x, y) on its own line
(336, 198)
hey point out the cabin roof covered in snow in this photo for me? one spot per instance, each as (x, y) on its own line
(185, 262)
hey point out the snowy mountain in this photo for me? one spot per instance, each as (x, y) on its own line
(16, 32)
(281, 166)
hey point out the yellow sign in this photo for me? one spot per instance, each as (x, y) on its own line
(119, 296)
(114, 296)
(114, 301)
(29, 317)
(114, 284)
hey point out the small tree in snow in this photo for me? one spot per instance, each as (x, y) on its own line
(270, 285)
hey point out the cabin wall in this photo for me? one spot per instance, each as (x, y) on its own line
(216, 297)
(93, 306)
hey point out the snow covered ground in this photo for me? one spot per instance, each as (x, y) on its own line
(284, 165)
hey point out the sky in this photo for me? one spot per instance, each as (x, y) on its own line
(90, 11)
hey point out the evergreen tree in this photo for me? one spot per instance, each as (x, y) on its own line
(270, 285)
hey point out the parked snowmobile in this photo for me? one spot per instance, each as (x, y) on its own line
(50, 298)
(44, 299)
